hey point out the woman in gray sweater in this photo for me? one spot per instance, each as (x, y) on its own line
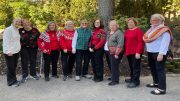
(115, 43)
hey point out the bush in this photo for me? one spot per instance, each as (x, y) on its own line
(142, 22)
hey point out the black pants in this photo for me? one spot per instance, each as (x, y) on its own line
(135, 68)
(97, 63)
(107, 54)
(11, 62)
(48, 59)
(115, 67)
(28, 56)
(158, 70)
(68, 60)
(82, 55)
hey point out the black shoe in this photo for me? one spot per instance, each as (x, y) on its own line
(98, 80)
(47, 79)
(55, 76)
(65, 78)
(158, 92)
(128, 80)
(35, 77)
(132, 85)
(152, 85)
(113, 83)
(109, 78)
(16, 84)
(23, 80)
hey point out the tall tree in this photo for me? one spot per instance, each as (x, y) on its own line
(106, 10)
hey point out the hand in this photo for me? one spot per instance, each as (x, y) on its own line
(159, 57)
(74, 51)
(116, 56)
(45, 51)
(65, 50)
(91, 50)
(10, 54)
(138, 56)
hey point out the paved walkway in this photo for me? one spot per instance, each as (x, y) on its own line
(86, 90)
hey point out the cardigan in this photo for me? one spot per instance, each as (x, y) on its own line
(11, 40)
(44, 41)
(133, 41)
(29, 38)
(98, 39)
(115, 42)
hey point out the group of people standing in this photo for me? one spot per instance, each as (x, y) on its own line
(77, 47)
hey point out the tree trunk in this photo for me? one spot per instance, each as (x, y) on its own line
(106, 11)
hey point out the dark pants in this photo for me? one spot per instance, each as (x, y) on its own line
(68, 60)
(107, 54)
(82, 55)
(158, 70)
(115, 67)
(97, 63)
(135, 68)
(11, 62)
(28, 56)
(48, 59)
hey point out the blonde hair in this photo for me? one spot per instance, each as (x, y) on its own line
(67, 22)
(51, 22)
(114, 21)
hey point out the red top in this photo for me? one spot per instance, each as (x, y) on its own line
(49, 41)
(53, 40)
(98, 39)
(66, 39)
(133, 41)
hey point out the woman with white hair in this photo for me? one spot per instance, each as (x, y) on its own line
(115, 43)
(48, 42)
(157, 40)
(11, 49)
(67, 57)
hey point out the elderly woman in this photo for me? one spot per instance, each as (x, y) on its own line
(67, 57)
(48, 42)
(29, 37)
(11, 49)
(96, 48)
(134, 46)
(80, 43)
(157, 40)
(115, 43)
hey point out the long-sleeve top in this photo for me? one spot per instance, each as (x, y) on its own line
(133, 41)
(81, 39)
(49, 41)
(11, 40)
(160, 45)
(98, 39)
(115, 42)
(29, 38)
(66, 39)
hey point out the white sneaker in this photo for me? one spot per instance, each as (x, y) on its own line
(87, 76)
(77, 78)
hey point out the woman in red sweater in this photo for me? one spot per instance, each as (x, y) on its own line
(48, 42)
(134, 47)
(67, 57)
(96, 47)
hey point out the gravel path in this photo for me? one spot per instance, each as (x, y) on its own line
(86, 90)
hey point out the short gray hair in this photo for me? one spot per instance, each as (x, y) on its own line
(158, 16)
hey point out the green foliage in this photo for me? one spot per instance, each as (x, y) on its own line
(142, 22)
(174, 25)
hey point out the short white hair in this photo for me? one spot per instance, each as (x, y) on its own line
(158, 16)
